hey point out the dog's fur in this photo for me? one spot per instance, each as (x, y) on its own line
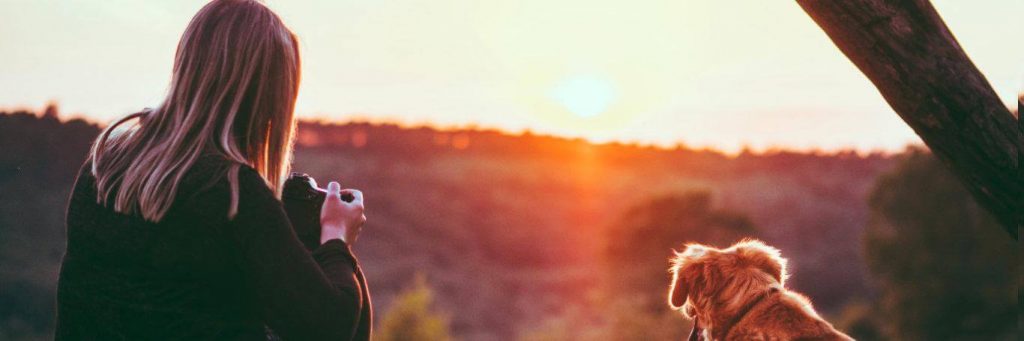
(738, 293)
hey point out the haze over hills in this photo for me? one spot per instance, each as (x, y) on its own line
(490, 206)
(509, 229)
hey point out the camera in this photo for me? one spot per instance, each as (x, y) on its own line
(302, 202)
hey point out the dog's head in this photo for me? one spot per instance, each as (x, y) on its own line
(703, 276)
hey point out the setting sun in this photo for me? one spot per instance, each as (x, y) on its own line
(704, 73)
(584, 95)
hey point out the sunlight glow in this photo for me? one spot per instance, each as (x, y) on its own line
(584, 95)
(649, 71)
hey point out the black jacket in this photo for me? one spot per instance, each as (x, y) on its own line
(198, 275)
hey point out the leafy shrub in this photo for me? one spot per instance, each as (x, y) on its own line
(412, 317)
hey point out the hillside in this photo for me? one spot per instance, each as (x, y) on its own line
(508, 229)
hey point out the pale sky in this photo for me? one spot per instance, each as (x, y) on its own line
(725, 74)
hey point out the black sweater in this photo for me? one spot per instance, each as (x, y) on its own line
(198, 275)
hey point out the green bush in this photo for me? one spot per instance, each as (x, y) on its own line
(946, 269)
(639, 244)
(412, 317)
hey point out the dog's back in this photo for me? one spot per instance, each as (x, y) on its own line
(783, 316)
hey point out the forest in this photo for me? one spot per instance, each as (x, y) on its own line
(486, 235)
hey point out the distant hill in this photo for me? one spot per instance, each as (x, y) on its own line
(507, 228)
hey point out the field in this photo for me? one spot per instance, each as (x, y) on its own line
(511, 231)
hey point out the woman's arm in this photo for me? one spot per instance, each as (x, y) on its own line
(303, 296)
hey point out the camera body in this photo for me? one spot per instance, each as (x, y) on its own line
(302, 202)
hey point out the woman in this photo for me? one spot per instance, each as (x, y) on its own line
(175, 227)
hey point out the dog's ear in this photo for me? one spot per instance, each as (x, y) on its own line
(678, 293)
(764, 257)
(683, 274)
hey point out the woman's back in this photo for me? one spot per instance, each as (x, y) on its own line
(195, 274)
(124, 275)
(175, 230)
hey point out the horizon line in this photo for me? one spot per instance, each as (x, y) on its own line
(745, 148)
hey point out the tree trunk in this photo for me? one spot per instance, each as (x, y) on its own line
(906, 50)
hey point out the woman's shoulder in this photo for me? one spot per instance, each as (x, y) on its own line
(215, 184)
(212, 169)
(206, 172)
(216, 173)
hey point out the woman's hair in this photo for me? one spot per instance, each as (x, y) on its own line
(235, 79)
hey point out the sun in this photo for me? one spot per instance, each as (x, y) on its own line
(584, 95)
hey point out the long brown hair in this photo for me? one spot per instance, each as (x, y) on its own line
(235, 80)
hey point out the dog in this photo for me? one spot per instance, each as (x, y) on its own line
(738, 293)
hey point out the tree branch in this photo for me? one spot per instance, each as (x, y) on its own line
(906, 50)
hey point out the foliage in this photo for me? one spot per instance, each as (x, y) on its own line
(639, 244)
(858, 320)
(945, 267)
(413, 318)
(613, 318)
(511, 224)
(631, 305)
(39, 158)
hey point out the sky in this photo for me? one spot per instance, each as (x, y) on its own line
(706, 73)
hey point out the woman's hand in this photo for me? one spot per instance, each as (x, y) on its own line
(340, 219)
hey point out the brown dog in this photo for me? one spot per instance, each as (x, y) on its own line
(738, 294)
